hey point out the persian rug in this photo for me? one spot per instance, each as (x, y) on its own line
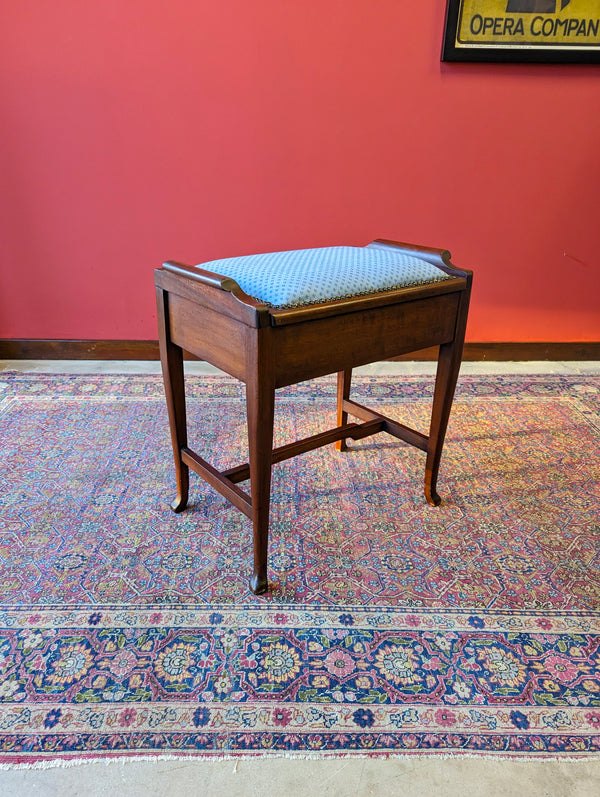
(391, 627)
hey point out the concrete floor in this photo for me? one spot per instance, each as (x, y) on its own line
(382, 368)
(336, 777)
(408, 777)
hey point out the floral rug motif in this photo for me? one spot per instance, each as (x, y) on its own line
(391, 627)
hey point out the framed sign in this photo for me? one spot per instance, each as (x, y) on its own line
(538, 31)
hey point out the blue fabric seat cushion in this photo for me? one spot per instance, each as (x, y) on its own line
(310, 276)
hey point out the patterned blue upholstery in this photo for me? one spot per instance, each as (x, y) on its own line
(310, 276)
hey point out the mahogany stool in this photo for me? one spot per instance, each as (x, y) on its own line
(276, 319)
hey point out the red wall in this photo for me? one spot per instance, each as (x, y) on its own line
(132, 131)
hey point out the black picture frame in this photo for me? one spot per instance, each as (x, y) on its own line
(560, 36)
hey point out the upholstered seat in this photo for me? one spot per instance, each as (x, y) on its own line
(311, 276)
(275, 319)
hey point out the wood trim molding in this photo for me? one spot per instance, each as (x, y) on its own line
(31, 349)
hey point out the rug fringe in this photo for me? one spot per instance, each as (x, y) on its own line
(59, 763)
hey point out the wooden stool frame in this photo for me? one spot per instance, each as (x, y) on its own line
(267, 348)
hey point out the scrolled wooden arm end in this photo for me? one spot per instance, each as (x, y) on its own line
(438, 257)
(213, 280)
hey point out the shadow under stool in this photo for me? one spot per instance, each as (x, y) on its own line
(273, 320)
